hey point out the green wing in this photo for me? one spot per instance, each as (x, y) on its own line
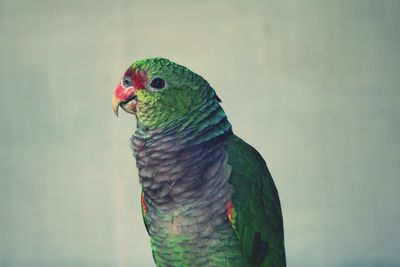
(257, 216)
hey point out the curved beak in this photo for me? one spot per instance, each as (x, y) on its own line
(115, 104)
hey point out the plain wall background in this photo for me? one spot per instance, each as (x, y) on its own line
(313, 85)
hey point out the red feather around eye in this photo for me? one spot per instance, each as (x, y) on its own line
(139, 78)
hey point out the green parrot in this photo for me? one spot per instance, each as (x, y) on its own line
(208, 198)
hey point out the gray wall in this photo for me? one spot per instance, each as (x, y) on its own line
(313, 85)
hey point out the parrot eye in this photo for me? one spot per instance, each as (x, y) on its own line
(158, 83)
(127, 81)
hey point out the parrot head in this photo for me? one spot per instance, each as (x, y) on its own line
(160, 92)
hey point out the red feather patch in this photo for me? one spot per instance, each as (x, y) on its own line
(232, 215)
(144, 207)
(229, 210)
(139, 78)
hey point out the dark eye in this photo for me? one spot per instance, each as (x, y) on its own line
(127, 81)
(157, 83)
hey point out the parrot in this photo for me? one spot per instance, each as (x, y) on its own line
(207, 198)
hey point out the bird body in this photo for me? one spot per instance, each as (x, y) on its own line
(208, 198)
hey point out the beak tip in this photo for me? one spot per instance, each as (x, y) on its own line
(115, 105)
(115, 109)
